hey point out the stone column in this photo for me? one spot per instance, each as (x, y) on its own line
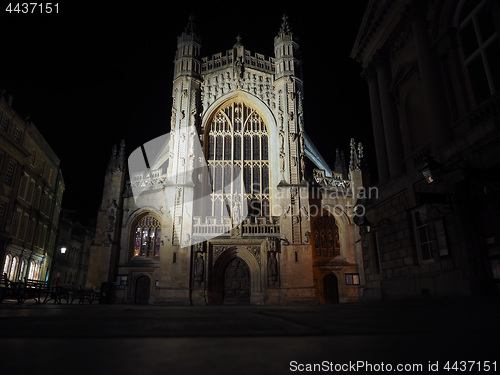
(370, 76)
(431, 78)
(392, 131)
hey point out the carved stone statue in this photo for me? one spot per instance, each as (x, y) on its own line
(282, 139)
(302, 167)
(111, 211)
(199, 268)
(236, 212)
(272, 268)
(282, 165)
(238, 67)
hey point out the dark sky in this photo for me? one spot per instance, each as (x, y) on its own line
(94, 74)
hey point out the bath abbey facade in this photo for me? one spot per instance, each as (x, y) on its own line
(234, 205)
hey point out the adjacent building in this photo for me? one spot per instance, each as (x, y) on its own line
(235, 205)
(433, 75)
(31, 189)
(71, 255)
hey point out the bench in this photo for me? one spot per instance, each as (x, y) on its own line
(82, 294)
(60, 292)
(31, 289)
(8, 289)
(21, 291)
(69, 293)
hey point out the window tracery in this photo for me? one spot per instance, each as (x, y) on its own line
(326, 237)
(147, 237)
(237, 157)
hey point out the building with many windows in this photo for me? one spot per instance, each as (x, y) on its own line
(31, 191)
(72, 251)
(433, 75)
(234, 205)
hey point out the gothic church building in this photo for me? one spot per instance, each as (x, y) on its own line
(235, 205)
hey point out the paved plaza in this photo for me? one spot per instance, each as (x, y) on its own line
(345, 338)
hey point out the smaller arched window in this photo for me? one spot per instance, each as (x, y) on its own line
(13, 268)
(32, 270)
(326, 237)
(147, 237)
(38, 271)
(22, 269)
(6, 266)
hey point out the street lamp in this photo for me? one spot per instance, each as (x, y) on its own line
(62, 250)
(429, 169)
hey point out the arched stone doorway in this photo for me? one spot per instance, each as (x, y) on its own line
(142, 290)
(235, 277)
(330, 289)
(236, 283)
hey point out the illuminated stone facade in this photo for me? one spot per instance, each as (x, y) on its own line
(31, 192)
(289, 238)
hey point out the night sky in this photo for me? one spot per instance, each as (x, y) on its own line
(94, 74)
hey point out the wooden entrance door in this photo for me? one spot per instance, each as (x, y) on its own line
(142, 290)
(237, 283)
(330, 289)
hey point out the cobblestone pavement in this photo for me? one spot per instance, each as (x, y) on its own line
(346, 338)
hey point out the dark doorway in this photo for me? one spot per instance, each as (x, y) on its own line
(331, 289)
(237, 283)
(142, 289)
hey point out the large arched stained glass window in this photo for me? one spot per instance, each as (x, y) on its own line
(238, 160)
(147, 237)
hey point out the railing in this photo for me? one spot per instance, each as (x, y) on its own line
(219, 60)
(249, 226)
(336, 181)
(261, 225)
(148, 181)
(211, 225)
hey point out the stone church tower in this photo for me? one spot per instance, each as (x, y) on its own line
(227, 207)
